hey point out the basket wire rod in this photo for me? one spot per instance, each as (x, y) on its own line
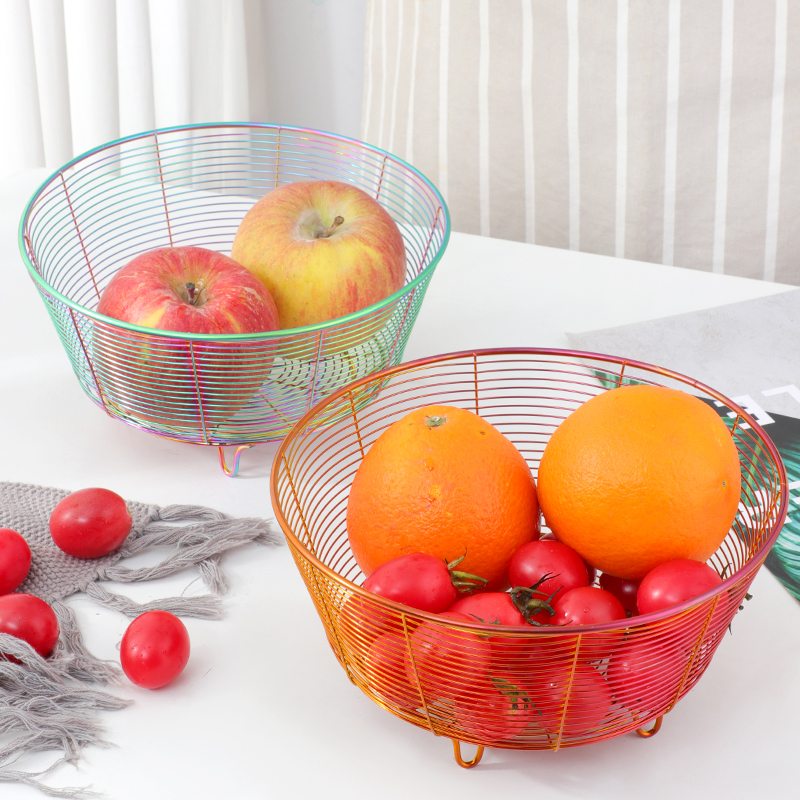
(78, 232)
(646, 734)
(434, 224)
(197, 392)
(621, 373)
(416, 675)
(313, 387)
(380, 177)
(568, 692)
(475, 369)
(164, 196)
(278, 156)
(751, 468)
(233, 470)
(309, 541)
(325, 601)
(31, 254)
(473, 762)
(277, 411)
(89, 362)
(693, 657)
(400, 327)
(355, 422)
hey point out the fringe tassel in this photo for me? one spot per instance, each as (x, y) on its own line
(48, 711)
(200, 543)
(205, 607)
(84, 666)
(39, 699)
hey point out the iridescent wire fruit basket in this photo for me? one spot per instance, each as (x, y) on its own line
(634, 671)
(192, 185)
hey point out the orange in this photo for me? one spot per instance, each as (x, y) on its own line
(640, 475)
(443, 481)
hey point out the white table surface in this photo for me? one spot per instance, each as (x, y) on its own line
(263, 709)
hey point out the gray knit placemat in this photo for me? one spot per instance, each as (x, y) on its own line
(46, 703)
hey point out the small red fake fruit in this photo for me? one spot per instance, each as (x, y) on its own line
(31, 619)
(90, 523)
(15, 560)
(154, 649)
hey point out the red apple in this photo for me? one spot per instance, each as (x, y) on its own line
(324, 249)
(189, 290)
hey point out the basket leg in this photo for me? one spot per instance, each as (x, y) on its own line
(653, 731)
(467, 764)
(234, 469)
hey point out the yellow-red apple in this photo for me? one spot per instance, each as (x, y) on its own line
(324, 249)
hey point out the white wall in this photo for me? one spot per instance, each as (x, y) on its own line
(307, 62)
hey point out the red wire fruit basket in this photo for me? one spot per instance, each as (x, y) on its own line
(568, 687)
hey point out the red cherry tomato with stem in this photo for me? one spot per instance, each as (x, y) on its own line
(500, 707)
(90, 523)
(421, 581)
(31, 619)
(503, 609)
(490, 608)
(551, 566)
(446, 660)
(154, 649)
(15, 560)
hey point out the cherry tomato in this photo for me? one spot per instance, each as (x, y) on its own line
(419, 580)
(535, 560)
(590, 570)
(384, 665)
(154, 649)
(583, 711)
(674, 582)
(362, 621)
(90, 523)
(645, 674)
(29, 618)
(512, 652)
(587, 605)
(491, 608)
(445, 660)
(15, 560)
(624, 590)
(498, 707)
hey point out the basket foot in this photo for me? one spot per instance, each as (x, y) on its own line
(653, 731)
(234, 469)
(473, 762)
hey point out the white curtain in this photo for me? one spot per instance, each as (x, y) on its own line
(657, 130)
(75, 74)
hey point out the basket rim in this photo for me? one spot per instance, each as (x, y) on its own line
(752, 565)
(355, 316)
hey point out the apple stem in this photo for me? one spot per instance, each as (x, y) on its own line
(334, 225)
(191, 291)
